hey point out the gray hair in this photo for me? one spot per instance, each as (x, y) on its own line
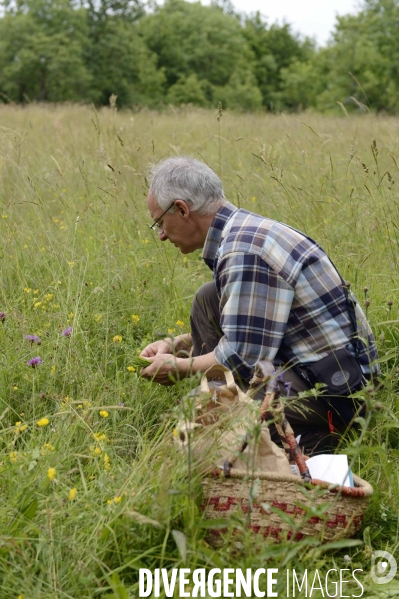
(188, 179)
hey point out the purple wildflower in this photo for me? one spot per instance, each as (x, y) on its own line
(277, 378)
(287, 386)
(67, 332)
(34, 362)
(33, 339)
(2, 316)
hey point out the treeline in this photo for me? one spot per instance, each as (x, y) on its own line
(186, 53)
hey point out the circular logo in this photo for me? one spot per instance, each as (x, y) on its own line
(340, 378)
(385, 569)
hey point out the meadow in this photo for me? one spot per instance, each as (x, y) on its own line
(91, 487)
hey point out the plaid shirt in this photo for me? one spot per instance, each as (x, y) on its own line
(280, 296)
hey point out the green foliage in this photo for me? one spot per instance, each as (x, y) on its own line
(358, 69)
(187, 90)
(241, 92)
(41, 58)
(203, 53)
(76, 251)
(191, 38)
(185, 53)
(121, 64)
(275, 48)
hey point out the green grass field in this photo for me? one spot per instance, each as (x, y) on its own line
(91, 488)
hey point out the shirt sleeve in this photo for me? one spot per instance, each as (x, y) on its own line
(255, 304)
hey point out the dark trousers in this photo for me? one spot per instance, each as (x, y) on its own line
(320, 421)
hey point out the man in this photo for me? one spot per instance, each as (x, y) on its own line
(275, 296)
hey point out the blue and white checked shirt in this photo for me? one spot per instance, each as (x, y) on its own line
(280, 296)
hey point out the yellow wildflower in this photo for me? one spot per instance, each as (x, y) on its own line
(13, 455)
(104, 413)
(37, 304)
(99, 436)
(52, 370)
(170, 331)
(72, 494)
(117, 339)
(70, 315)
(43, 422)
(15, 388)
(107, 463)
(20, 428)
(98, 317)
(27, 289)
(114, 500)
(51, 473)
(46, 448)
(253, 199)
(131, 368)
(36, 291)
(135, 318)
(180, 323)
(71, 264)
(48, 297)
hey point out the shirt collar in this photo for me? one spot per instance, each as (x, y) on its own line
(214, 234)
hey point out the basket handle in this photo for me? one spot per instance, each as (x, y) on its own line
(272, 404)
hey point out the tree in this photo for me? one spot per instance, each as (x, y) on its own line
(275, 48)
(41, 53)
(187, 90)
(120, 63)
(191, 39)
(53, 50)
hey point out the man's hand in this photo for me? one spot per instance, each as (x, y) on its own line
(163, 365)
(178, 345)
(165, 369)
(158, 347)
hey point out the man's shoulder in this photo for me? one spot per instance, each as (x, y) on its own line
(247, 230)
(284, 249)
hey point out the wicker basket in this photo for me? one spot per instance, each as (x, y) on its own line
(278, 495)
(283, 505)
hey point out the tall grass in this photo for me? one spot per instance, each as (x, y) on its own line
(76, 252)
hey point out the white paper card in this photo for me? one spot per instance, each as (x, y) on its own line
(333, 469)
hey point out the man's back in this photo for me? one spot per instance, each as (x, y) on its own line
(280, 295)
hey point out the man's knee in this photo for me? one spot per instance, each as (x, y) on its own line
(206, 300)
(206, 292)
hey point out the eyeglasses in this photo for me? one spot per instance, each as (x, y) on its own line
(155, 223)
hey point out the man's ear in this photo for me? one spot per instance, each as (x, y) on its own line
(182, 208)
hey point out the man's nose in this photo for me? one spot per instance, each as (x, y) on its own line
(162, 235)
